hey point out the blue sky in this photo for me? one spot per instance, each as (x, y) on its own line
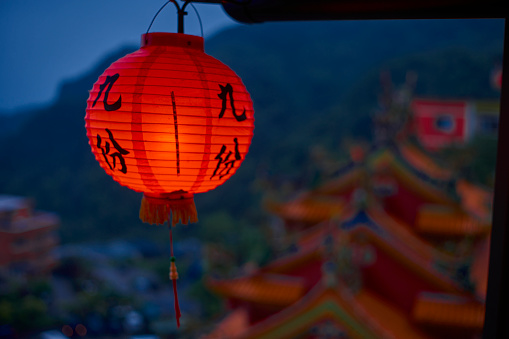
(46, 42)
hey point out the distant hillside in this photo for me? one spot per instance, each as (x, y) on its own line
(314, 82)
(311, 83)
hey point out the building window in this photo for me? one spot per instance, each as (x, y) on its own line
(444, 123)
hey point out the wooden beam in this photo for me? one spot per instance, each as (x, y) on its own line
(255, 11)
(496, 324)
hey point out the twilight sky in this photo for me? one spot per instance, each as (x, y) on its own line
(47, 41)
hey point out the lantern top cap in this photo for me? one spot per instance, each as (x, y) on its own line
(172, 40)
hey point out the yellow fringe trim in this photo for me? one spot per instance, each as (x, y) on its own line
(179, 206)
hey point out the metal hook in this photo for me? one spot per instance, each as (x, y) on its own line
(180, 12)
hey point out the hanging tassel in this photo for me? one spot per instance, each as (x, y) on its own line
(175, 207)
(173, 277)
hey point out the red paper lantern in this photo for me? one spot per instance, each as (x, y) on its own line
(170, 121)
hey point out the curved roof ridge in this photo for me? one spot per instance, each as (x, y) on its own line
(423, 162)
(413, 179)
(423, 268)
(402, 232)
(327, 303)
(362, 315)
(261, 287)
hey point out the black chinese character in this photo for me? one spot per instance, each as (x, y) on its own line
(110, 80)
(117, 155)
(225, 90)
(228, 164)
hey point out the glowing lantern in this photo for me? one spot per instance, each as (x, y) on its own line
(170, 121)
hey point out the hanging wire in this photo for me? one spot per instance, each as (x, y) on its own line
(199, 19)
(155, 16)
(181, 12)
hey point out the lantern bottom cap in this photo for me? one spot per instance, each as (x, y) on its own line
(172, 207)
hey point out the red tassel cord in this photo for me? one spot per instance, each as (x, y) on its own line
(173, 277)
(177, 307)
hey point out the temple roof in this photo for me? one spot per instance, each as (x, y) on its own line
(232, 326)
(360, 315)
(467, 214)
(297, 259)
(272, 284)
(444, 221)
(378, 221)
(440, 310)
(422, 162)
(476, 200)
(407, 238)
(308, 209)
(479, 268)
(348, 212)
(265, 288)
(403, 254)
(419, 182)
(345, 179)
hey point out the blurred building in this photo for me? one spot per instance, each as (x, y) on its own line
(442, 123)
(27, 238)
(393, 247)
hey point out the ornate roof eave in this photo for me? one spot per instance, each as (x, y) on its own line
(231, 326)
(476, 200)
(307, 208)
(261, 288)
(388, 233)
(414, 180)
(410, 251)
(479, 268)
(444, 222)
(426, 270)
(360, 315)
(422, 162)
(448, 311)
(389, 156)
(400, 231)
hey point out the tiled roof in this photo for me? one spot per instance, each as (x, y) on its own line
(318, 305)
(312, 209)
(346, 180)
(479, 268)
(389, 163)
(448, 311)
(361, 315)
(423, 268)
(265, 288)
(475, 200)
(437, 220)
(406, 236)
(423, 163)
(394, 322)
(231, 326)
